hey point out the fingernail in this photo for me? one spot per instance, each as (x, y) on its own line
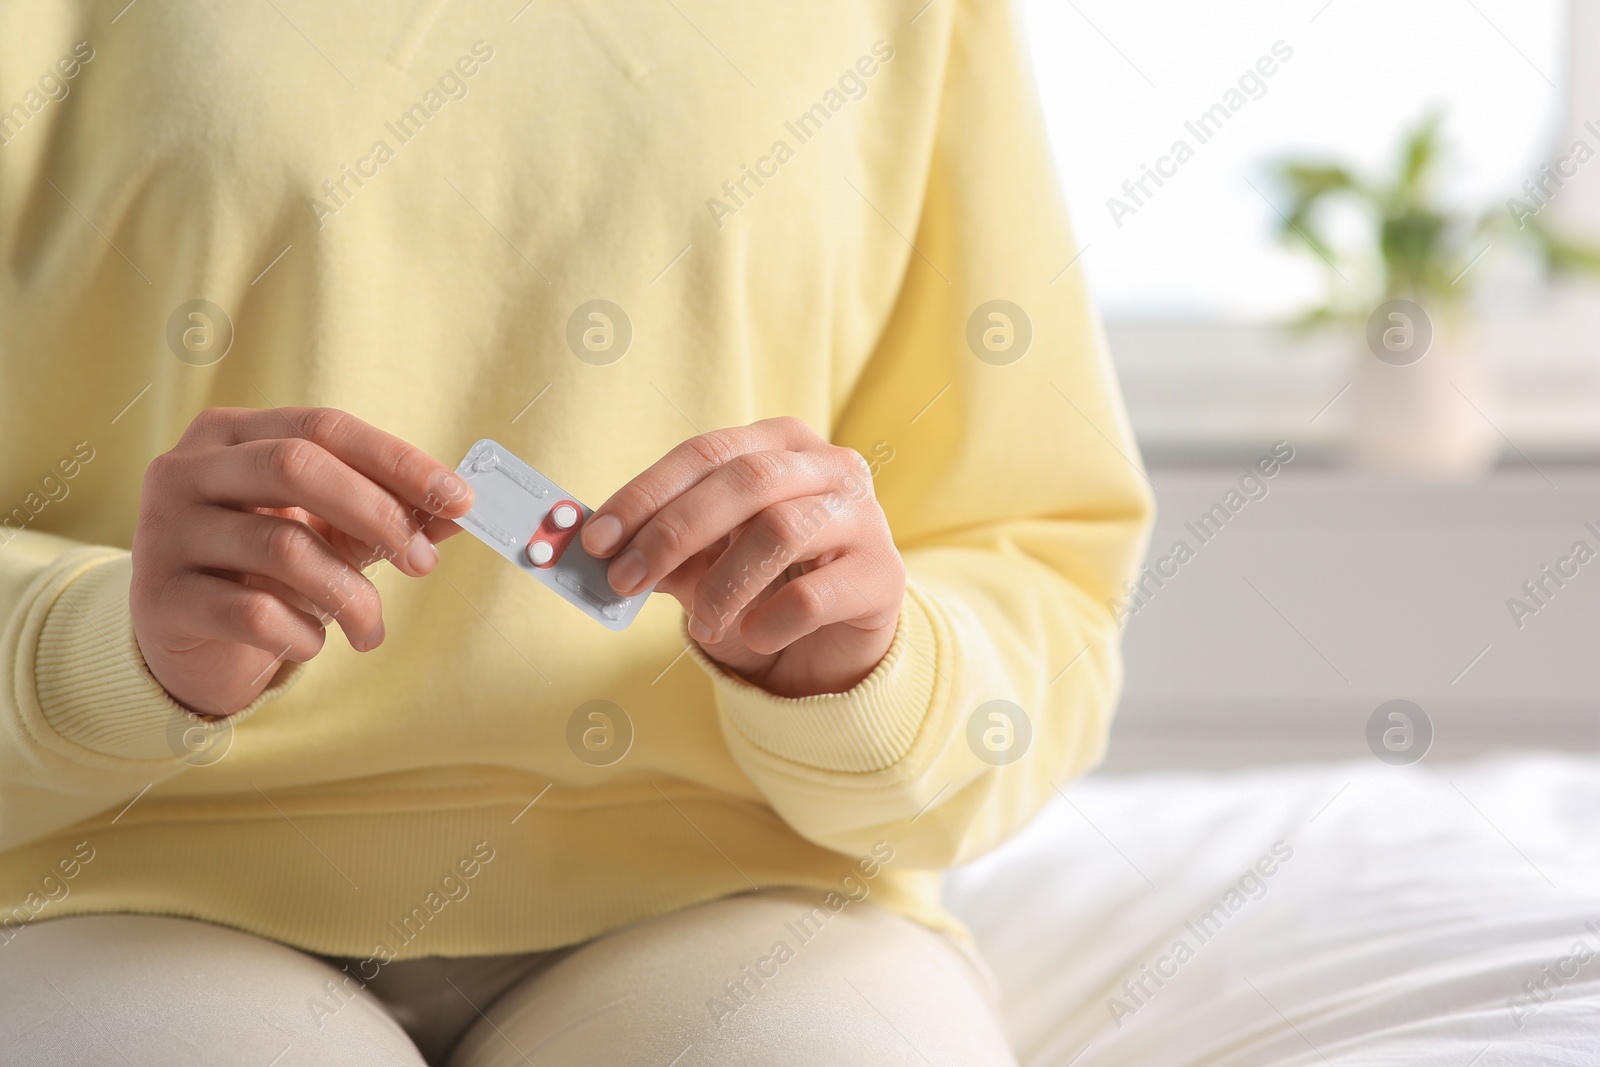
(698, 629)
(372, 640)
(448, 487)
(601, 535)
(627, 571)
(420, 554)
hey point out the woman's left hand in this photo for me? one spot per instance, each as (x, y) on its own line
(773, 542)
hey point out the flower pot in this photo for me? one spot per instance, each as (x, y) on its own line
(1432, 418)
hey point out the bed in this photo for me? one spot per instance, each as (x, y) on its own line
(1344, 913)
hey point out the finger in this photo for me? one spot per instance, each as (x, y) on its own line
(854, 589)
(437, 529)
(778, 537)
(291, 553)
(615, 522)
(283, 593)
(221, 610)
(681, 582)
(726, 498)
(359, 554)
(400, 467)
(294, 473)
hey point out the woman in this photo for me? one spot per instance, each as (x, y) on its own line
(787, 291)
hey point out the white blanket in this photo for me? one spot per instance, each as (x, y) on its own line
(1332, 914)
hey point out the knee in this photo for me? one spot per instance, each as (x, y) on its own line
(157, 988)
(767, 978)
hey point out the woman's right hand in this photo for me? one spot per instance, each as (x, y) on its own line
(252, 536)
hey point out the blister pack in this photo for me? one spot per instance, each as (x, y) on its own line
(534, 523)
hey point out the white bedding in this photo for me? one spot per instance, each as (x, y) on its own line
(1415, 905)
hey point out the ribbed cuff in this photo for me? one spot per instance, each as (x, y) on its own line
(869, 728)
(91, 680)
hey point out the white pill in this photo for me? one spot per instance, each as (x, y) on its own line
(540, 553)
(565, 516)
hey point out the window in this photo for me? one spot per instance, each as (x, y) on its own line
(1119, 82)
(1180, 245)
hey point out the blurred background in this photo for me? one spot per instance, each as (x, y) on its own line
(1253, 185)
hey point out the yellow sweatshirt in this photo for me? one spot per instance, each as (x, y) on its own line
(841, 210)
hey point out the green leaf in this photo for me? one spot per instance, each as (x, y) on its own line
(1419, 152)
(1564, 255)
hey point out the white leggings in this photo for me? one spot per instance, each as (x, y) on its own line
(708, 985)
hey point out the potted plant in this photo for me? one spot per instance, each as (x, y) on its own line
(1420, 400)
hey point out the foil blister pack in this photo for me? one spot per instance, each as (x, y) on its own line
(533, 523)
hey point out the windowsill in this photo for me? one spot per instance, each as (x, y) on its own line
(1204, 392)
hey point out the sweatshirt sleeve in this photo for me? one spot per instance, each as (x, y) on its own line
(1005, 464)
(84, 726)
